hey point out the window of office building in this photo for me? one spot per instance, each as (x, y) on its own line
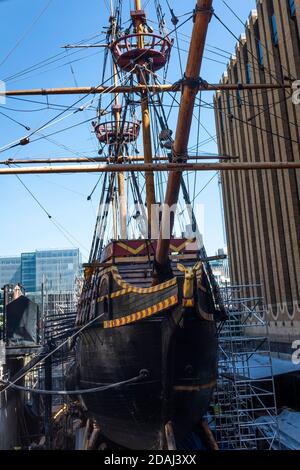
(274, 30)
(292, 7)
(260, 53)
(221, 114)
(28, 269)
(228, 102)
(248, 72)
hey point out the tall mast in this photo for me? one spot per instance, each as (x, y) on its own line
(190, 89)
(122, 199)
(117, 117)
(150, 189)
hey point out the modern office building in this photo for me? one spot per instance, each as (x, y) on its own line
(10, 270)
(57, 269)
(262, 209)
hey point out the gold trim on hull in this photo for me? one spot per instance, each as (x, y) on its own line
(140, 290)
(148, 312)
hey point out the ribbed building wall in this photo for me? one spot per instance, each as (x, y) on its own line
(262, 208)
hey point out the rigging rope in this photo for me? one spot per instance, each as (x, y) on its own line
(59, 118)
(263, 109)
(257, 39)
(15, 121)
(49, 105)
(63, 230)
(103, 388)
(57, 348)
(26, 32)
(268, 131)
(25, 140)
(248, 50)
(59, 66)
(50, 60)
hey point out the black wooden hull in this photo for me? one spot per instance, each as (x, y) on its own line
(181, 361)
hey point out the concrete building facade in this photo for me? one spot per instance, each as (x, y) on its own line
(262, 208)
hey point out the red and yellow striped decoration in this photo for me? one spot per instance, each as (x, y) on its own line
(148, 312)
(140, 290)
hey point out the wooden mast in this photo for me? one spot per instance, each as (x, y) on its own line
(190, 89)
(122, 200)
(117, 117)
(149, 177)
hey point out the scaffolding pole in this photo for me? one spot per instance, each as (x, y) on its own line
(245, 387)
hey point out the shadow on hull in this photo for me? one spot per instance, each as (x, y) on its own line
(181, 364)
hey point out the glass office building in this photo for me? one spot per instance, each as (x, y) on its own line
(10, 270)
(28, 272)
(57, 269)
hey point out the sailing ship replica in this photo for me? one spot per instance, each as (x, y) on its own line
(148, 306)
(146, 330)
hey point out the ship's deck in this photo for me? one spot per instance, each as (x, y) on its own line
(141, 274)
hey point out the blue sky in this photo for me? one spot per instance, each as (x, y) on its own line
(26, 40)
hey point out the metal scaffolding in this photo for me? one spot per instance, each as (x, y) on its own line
(245, 386)
(58, 319)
